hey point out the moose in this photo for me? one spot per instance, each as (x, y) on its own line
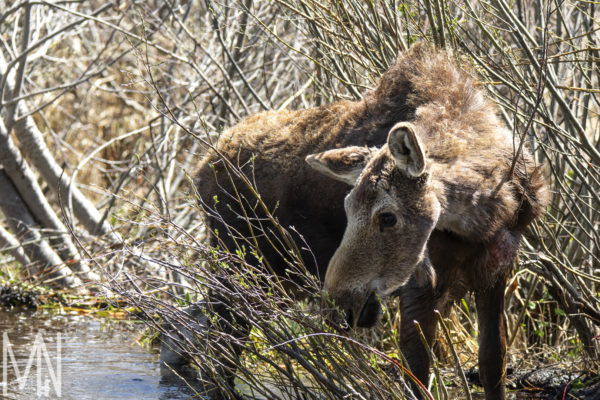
(417, 190)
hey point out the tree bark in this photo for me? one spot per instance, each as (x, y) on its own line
(11, 245)
(24, 180)
(35, 149)
(45, 261)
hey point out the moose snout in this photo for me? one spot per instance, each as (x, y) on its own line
(362, 315)
(357, 299)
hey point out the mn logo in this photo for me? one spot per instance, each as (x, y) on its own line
(46, 378)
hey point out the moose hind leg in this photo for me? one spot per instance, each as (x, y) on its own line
(492, 339)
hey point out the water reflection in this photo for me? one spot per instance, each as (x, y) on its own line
(96, 359)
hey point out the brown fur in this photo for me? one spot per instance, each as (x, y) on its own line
(468, 154)
(462, 210)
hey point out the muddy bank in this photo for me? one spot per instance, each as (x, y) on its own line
(548, 383)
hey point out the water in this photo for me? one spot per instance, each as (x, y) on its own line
(99, 359)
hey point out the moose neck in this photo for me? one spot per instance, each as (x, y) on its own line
(475, 201)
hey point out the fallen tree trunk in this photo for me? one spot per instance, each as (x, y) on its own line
(11, 245)
(34, 147)
(23, 179)
(43, 260)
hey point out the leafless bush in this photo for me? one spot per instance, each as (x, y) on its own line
(128, 96)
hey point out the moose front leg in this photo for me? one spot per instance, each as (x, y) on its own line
(492, 339)
(210, 333)
(417, 304)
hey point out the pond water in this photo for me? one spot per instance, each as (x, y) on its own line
(77, 357)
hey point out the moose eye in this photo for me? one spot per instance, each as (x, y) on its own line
(387, 220)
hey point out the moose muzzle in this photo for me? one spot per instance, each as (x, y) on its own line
(368, 315)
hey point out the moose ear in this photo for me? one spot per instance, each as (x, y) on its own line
(344, 164)
(406, 149)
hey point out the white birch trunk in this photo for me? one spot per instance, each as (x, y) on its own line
(11, 245)
(24, 180)
(34, 147)
(42, 259)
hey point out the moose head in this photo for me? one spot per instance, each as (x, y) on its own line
(391, 212)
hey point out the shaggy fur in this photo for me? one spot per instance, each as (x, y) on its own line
(484, 205)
